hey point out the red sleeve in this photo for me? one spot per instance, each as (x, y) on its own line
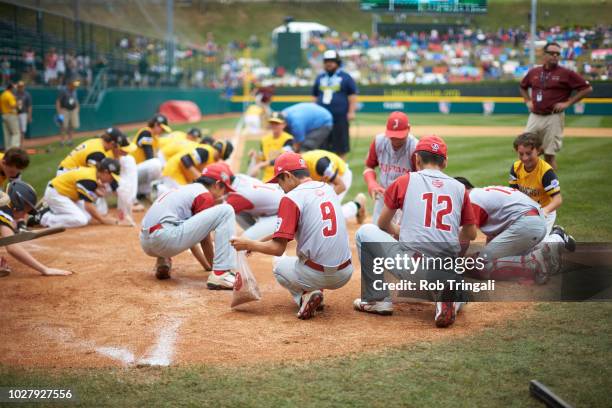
(525, 83)
(372, 159)
(480, 215)
(202, 202)
(467, 215)
(287, 219)
(577, 82)
(239, 203)
(395, 193)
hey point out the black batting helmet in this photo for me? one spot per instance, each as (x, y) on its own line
(225, 148)
(110, 165)
(22, 194)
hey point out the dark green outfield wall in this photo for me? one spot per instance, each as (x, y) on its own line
(118, 106)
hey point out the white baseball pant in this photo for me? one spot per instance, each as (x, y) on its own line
(148, 171)
(379, 203)
(161, 158)
(349, 210)
(256, 227)
(128, 184)
(63, 211)
(292, 274)
(171, 239)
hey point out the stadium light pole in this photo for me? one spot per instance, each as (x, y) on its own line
(169, 37)
(534, 8)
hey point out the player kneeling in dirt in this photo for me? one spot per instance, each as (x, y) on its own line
(515, 227)
(70, 198)
(183, 219)
(21, 202)
(437, 220)
(311, 213)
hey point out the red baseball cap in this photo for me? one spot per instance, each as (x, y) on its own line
(432, 144)
(398, 126)
(219, 172)
(287, 161)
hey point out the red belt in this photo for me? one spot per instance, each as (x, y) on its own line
(322, 268)
(155, 228)
(533, 211)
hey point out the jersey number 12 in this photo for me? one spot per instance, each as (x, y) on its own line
(442, 199)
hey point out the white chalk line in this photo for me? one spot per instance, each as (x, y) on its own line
(160, 354)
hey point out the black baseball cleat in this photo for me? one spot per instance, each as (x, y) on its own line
(34, 220)
(568, 241)
(162, 268)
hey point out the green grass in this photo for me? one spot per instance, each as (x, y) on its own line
(565, 346)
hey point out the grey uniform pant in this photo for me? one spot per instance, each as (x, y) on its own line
(382, 244)
(316, 138)
(171, 239)
(297, 278)
(518, 239)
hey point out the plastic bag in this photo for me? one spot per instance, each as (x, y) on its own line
(245, 287)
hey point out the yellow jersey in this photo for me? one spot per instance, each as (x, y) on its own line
(8, 102)
(254, 110)
(177, 168)
(172, 147)
(80, 184)
(87, 154)
(540, 184)
(271, 148)
(324, 165)
(144, 137)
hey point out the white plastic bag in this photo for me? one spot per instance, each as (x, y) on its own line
(245, 287)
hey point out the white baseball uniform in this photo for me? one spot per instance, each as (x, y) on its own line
(255, 204)
(312, 215)
(392, 164)
(514, 226)
(182, 218)
(434, 207)
(128, 185)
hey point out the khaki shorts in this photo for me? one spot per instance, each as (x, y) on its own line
(549, 129)
(71, 119)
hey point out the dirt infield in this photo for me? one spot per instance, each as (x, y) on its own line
(113, 312)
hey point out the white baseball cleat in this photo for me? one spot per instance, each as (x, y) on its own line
(221, 282)
(310, 303)
(383, 308)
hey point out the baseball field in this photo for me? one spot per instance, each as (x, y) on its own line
(117, 336)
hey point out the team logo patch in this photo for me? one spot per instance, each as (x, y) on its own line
(238, 282)
(279, 222)
(435, 147)
(437, 183)
(302, 162)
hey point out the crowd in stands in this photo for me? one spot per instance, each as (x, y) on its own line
(456, 55)
(461, 55)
